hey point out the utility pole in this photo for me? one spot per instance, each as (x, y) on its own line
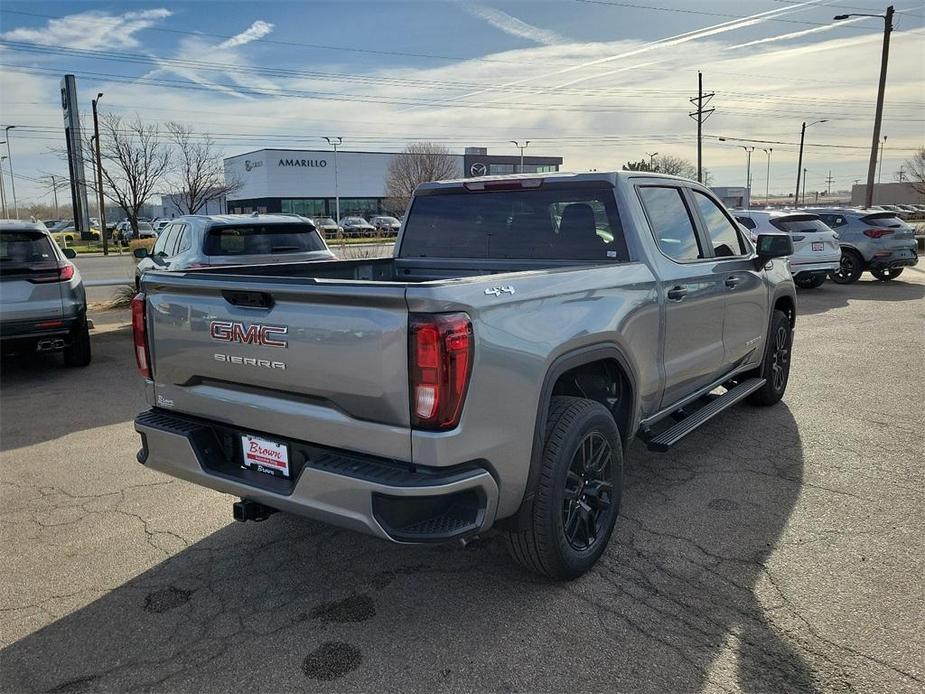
(803, 195)
(99, 175)
(54, 190)
(878, 117)
(767, 179)
(335, 142)
(828, 184)
(700, 115)
(651, 156)
(2, 186)
(9, 156)
(796, 191)
(521, 147)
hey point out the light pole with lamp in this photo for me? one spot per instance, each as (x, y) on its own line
(335, 142)
(651, 156)
(878, 116)
(748, 172)
(796, 191)
(521, 147)
(880, 165)
(767, 178)
(803, 196)
(101, 203)
(2, 186)
(9, 155)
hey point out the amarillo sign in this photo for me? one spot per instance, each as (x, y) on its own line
(314, 163)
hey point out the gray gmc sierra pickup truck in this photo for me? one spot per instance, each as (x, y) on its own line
(491, 373)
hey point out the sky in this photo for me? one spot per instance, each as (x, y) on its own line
(598, 82)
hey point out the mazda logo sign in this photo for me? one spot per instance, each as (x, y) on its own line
(479, 169)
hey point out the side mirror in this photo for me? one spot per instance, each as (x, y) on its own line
(770, 246)
(140, 253)
(69, 253)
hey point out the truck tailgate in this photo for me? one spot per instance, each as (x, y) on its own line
(324, 362)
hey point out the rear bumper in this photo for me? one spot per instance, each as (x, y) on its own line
(893, 261)
(15, 335)
(388, 499)
(814, 268)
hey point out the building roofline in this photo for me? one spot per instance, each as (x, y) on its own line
(527, 157)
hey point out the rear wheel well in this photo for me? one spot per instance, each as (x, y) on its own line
(786, 304)
(603, 381)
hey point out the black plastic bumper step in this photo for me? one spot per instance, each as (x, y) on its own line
(668, 438)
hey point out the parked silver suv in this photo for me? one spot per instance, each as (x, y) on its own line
(197, 241)
(43, 306)
(876, 241)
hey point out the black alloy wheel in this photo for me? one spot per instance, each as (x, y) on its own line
(588, 494)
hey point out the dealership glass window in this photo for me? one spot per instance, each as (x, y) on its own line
(546, 168)
(501, 168)
(359, 207)
(306, 208)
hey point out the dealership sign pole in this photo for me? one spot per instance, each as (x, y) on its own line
(75, 156)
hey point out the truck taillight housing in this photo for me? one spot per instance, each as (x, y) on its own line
(140, 335)
(877, 233)
(439, 363)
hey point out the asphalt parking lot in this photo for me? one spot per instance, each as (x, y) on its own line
(775, 550)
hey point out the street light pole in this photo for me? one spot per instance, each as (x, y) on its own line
(521, 147)
(54, 190)
(878, 116)
(334, 142)
(748, 172)
(2, 186)
(880, 165)
(796, 191)
(99, 175)
(9, 156)
(803, 196)
(767, 178)
(651, 156)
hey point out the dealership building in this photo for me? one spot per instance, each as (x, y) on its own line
(303, 181)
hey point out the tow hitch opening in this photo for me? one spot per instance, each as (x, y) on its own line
(247, 510)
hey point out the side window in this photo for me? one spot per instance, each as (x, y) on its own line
(186, 241)
(747, 222)
(671, 222)
(160, 245)
(723, 235)
(170, 240)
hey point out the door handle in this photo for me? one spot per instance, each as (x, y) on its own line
(732, 281)
(677, 293)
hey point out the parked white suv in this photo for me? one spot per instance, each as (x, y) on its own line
(816, 252)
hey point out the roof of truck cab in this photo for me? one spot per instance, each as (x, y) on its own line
(557, 176)
(269, 218)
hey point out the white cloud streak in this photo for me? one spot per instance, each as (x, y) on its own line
(91, 30)
(512, 26)
(254, 32)
(796, 34)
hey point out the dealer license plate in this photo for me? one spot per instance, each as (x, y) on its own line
(818, 245)
(266, 456)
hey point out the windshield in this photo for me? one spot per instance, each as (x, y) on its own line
(800, 224)
(263, 239)
(388, 220)
(554, 223)
(21, 249)
(325, 222)
(355, 220)
(144, 226)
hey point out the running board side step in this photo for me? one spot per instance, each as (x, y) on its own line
(668, 438)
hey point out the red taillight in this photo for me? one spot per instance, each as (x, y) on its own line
(140, 335)
(877, 233)
(439, 363)
(62, 273)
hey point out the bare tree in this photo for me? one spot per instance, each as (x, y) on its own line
(134, 162)
(198, 174)
(420, 162)
(916, 170)
(668, 164)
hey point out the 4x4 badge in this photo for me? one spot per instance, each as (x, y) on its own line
(498, 291)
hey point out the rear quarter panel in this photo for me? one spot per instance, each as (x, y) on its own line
(518, 337)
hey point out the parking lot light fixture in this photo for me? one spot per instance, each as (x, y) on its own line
(521, 147)
(796, 191)
(878, 115)
(652, 156)
(335, 142)
(767, 178)
(748, 171)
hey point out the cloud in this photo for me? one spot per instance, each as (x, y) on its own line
(255, 31)
(796, 34)
(513, 26)
(91, 30)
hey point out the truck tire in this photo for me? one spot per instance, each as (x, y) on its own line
(569, 521)
(850, 269)
(775, 368)
(78, 353)
(887, 274)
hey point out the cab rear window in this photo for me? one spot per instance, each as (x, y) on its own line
(805, 224)
(549, 223)
(262, 239)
